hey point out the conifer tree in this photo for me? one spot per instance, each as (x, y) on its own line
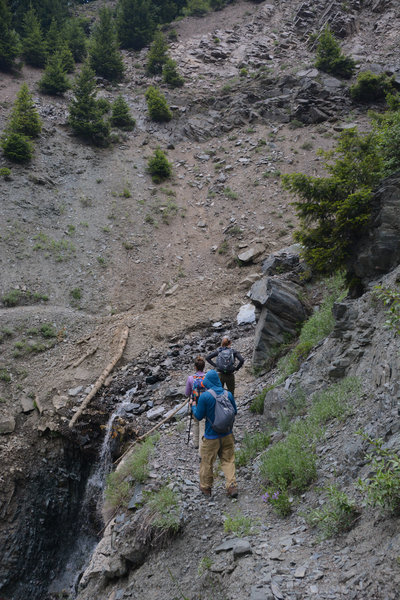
(158, 54)
(24, 117)
(9, 41)
(104, 56)
(158, 166)
(330, 57)
(85, 116)
(67, 59)
(171, 76)
(54, 81)
(74, 35)
(33, 45)
(16, 146)
(135, 24)
(53, 38)
(121, 116)
(157, 105)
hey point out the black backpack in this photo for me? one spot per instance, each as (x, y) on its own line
(225, 360)
(224, 412)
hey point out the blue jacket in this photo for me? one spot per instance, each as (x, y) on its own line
(205, 408)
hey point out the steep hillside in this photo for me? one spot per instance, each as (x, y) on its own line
(90, 244)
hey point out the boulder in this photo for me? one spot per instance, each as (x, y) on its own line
(281, 312)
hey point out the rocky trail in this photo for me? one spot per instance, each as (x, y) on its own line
(92, 245)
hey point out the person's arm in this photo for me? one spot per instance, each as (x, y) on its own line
(239, 358)
(189, 386)
(199, 410)
(209, 358)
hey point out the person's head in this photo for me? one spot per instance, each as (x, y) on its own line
(225, 342)
(199, 363)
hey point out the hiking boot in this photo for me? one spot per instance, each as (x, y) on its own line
(205, 491)
(232, 491)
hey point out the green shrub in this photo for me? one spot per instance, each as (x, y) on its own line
(387, 131)
(338, 514)
(280, 501)
(171, 75)
(17, 147)
(158, 166)
(257, 405)
(382, 487)
(5, 375)
(391, 299)
(316, 328)
(164, 508)
(331, 59)
(5, 172)
(10, 44)
(290, 463)
(157, 105)
(370, 87)
(333, 402)
(48, 331)
(34, 49)
(121, 116)
(251, 445)
(238, 524)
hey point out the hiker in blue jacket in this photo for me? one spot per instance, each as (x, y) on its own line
(215, 444)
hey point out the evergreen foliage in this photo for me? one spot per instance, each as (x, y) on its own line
(121, 116)
(334, 210)
(171, 76)
(104, 56)
(16, 146)
(54, 81)
(34, 48)
(85, 115)
(9, 41)
(158, 166)
(53, 38)
(387, 129)
(24, 117)
(74, 35)
(135, 23)
(158, 54)
(330, 57)
(157, 105)
(165, 11)
(46, 11)
(371, 87)
(197, 8)
(67, 59)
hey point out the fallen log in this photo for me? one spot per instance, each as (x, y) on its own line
(100, 381)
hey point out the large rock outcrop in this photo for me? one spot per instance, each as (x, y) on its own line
(379, 251)
(281, 311)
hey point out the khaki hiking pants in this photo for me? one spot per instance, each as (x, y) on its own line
(224, 448)
(198, 432)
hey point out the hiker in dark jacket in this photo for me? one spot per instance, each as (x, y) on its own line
(215, 444)
(226, 375)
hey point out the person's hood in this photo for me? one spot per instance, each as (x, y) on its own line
(211, 380)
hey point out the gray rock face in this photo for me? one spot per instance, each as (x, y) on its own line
(281, 313)
(380, 251)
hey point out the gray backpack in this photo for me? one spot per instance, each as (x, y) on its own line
(225, 360)
(224, 412)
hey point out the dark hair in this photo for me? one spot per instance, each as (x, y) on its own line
(199, 363)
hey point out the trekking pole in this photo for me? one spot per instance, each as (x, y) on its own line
(190, 422)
